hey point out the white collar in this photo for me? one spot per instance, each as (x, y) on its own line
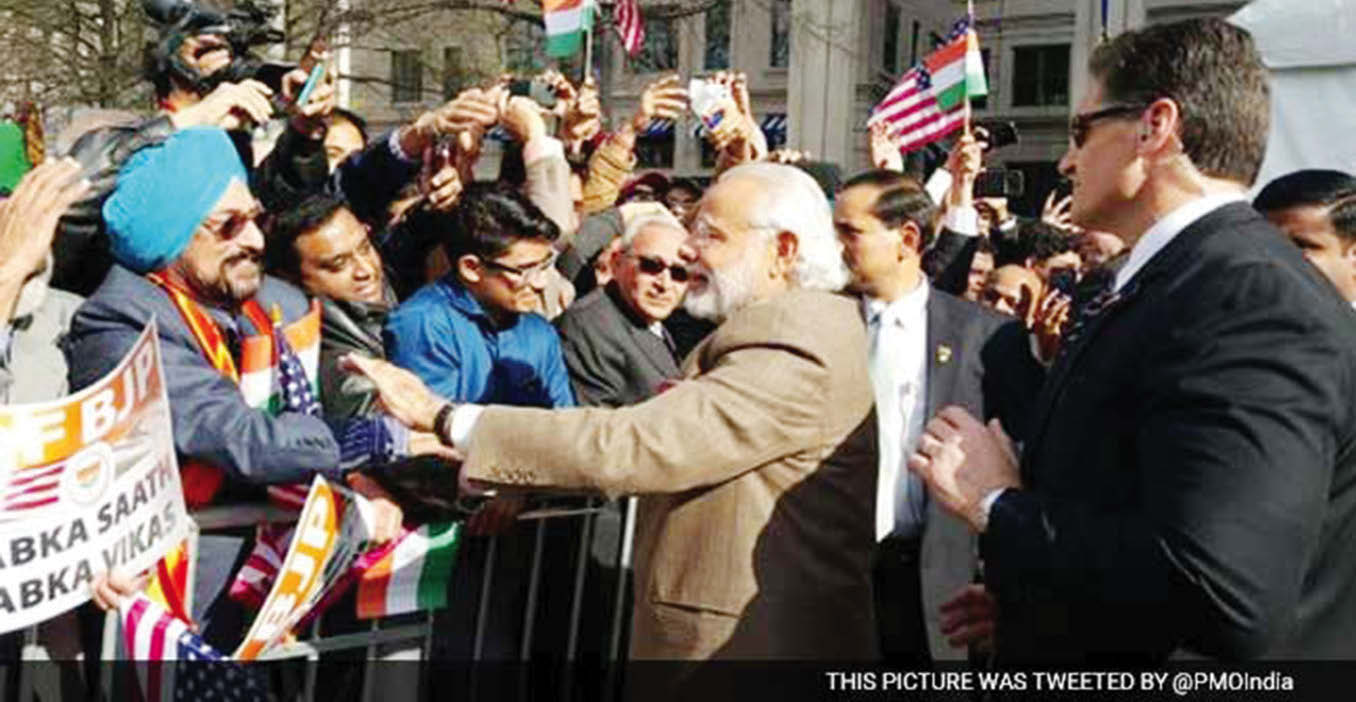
(911, 305)
(1167, 228)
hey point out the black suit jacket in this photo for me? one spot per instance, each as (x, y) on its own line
(1189, 479)
(613, 359)
(979, 360)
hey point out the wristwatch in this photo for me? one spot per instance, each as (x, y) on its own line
(442, 423)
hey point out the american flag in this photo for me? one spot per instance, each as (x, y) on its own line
(179, 665)
(911, 110)
(30, 488)
(295, 390)
(252, 583)
(630, 26)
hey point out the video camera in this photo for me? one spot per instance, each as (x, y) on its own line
(247, 25)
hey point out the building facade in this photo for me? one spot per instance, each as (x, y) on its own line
(815, 67)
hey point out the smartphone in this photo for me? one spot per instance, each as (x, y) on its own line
(706, 98)
(317, 74)
(1000, 182)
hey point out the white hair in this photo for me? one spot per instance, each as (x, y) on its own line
(791, 201)
(640, 223)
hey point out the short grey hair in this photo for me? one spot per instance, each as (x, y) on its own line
(642, 222)
(791, 201)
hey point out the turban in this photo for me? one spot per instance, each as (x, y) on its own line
(164, 192)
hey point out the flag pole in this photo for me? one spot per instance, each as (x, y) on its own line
(970, 14)
(588, 54)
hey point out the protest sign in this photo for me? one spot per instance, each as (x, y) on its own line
(88, 483)
(330, 535)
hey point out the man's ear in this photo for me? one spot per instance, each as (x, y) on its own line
(910, 240)
(787, 251)
(469, 268)
(1159, 124)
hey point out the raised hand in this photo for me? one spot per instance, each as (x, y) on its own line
(310, 119)
(229, 106)
(28, 223)
(583, 118)
(884, 149)
(522, 117)
(1049, 321)
(1057, 213)
(665, 98)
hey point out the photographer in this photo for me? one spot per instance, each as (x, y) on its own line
(204, 75)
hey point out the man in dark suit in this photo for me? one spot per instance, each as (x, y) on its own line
(616, 348)
(1189, 480)
(928, 349)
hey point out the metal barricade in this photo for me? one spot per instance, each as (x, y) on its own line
(399, 638)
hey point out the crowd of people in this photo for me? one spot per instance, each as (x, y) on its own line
(869, 418)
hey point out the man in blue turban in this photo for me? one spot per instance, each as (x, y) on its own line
(188, 253)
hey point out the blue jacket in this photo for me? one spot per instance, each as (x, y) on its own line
(211, 421)
(445, 337)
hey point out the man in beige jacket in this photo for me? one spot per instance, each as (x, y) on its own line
(757, 471)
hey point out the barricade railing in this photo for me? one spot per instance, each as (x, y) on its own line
(407, 637)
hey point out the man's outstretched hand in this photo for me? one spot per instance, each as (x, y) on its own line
(962, 461)
(401, 393)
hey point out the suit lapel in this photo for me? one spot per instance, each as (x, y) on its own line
(653, 349)
(941, 354)
(1164, 264)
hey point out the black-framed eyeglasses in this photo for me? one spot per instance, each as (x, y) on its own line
(650, 265)
(1079, 125)
(522, 272)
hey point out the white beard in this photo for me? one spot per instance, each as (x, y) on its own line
(726, 292)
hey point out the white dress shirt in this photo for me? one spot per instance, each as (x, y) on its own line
(1166, 229)
(899, 371)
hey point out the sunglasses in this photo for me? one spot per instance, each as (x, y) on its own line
(654, 266)
(1080, 125)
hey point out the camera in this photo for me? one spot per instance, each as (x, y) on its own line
(247, 25)
(1000, 182)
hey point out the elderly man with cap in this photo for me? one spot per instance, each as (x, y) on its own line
(187, 252)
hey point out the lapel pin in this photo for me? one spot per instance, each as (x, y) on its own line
(943, 353)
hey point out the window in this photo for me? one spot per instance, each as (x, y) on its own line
(890, 57)
(982, 102)
(454, 74)
(407, 76)
(781, 34)
(718, 36)
(659, 53)
(1040, 75)
(524, 47)
(655, 150)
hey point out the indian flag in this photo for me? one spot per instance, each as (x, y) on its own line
(566, 23)
(258, 367)
(412, 576)
(957, 69)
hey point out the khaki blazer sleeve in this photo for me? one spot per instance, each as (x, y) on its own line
(757, 402)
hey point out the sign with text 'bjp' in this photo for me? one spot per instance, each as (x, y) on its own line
(88, 483)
